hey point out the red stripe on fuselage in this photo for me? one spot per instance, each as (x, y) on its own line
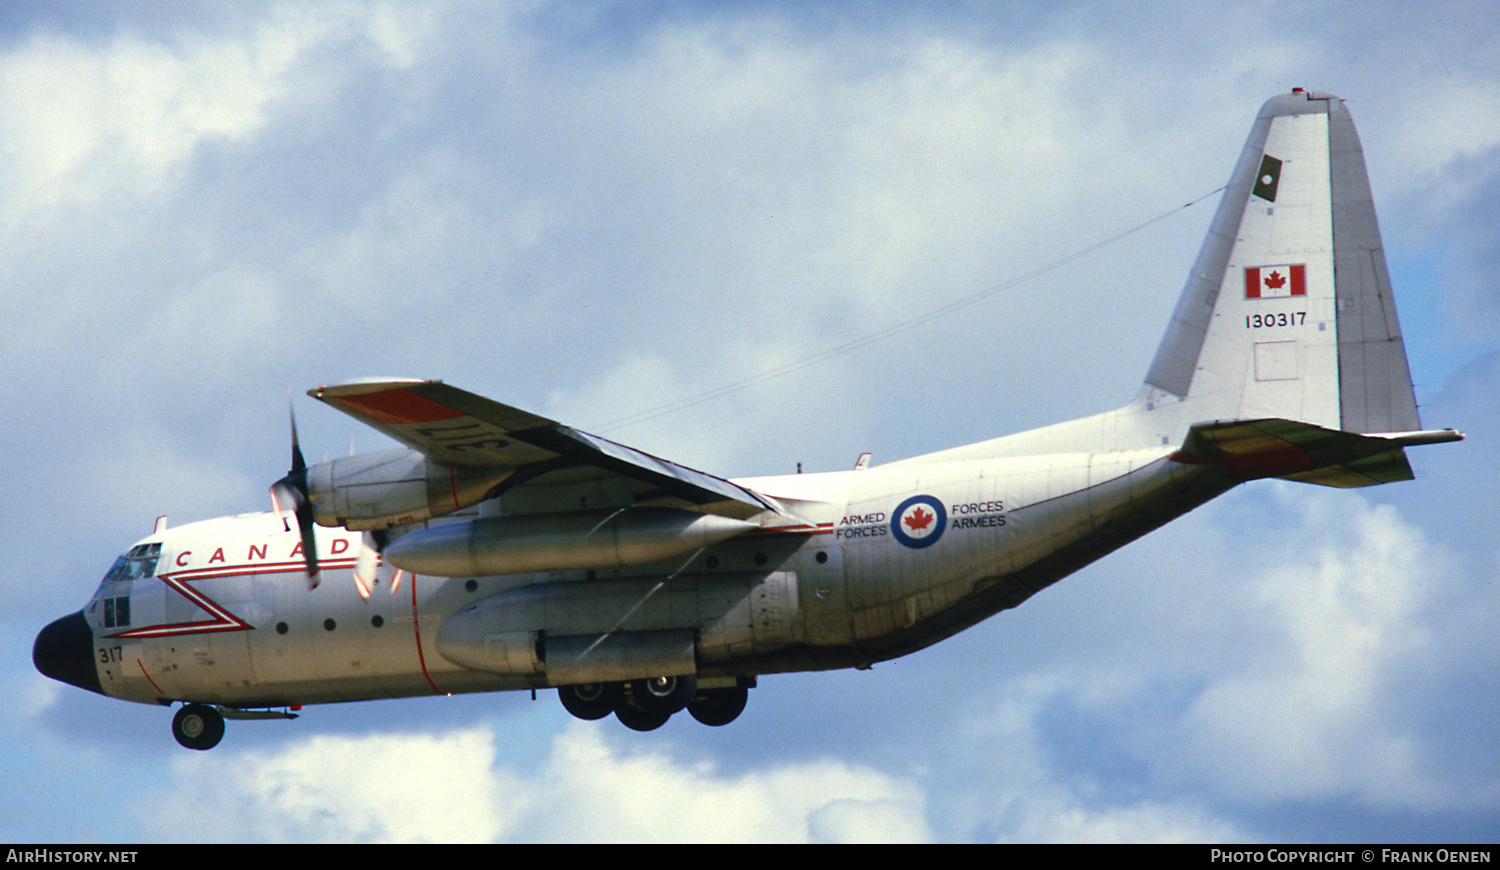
(222, 618)
(249, 570)
(819, 529)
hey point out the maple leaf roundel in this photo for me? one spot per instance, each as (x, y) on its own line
(919, 521)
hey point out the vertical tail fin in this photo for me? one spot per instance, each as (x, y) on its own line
(1288, 310)
(1284, 356)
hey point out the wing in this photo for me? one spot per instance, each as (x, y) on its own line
(455, 427)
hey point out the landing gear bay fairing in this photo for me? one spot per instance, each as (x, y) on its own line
(498, 550)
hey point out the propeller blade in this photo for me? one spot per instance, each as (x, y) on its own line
(298, 463)
(365, 564)
(309, 542)
(292, 490)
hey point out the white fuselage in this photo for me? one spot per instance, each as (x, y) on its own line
(880, 562)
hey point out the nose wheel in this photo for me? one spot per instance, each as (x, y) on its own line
(198, 726)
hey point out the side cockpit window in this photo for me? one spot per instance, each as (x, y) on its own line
(139, 562)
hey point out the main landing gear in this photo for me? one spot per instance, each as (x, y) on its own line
(645, 705)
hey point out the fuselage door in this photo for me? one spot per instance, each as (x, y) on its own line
(824, 599)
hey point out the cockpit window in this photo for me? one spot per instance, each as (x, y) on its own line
(139, 562)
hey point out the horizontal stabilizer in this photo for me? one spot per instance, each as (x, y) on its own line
(1251, 449)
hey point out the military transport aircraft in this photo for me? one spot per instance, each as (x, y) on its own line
(498, 550)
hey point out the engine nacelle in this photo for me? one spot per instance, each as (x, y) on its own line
(610, 630)
(394, 487)
(566, 660)
(606, 538)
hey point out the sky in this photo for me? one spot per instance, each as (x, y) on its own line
(607, 213)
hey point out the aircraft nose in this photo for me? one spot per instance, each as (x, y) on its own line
(64, 651)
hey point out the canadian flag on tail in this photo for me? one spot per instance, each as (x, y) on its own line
(1276, 282)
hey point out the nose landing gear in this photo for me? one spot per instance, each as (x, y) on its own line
(201, 726)
(198, 726)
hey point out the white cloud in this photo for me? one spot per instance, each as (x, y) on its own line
(389, 788)
(1013, 786)
(868, 821)
(86, 123)
(645, 796)
(594, 784)
(1334, 632)
(454, 787)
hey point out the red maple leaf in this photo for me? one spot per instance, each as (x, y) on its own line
(1274, 280)
(918, 520)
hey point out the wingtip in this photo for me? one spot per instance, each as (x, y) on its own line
(366, 385)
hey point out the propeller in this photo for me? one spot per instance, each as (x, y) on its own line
(366, 561)
(292, 490)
